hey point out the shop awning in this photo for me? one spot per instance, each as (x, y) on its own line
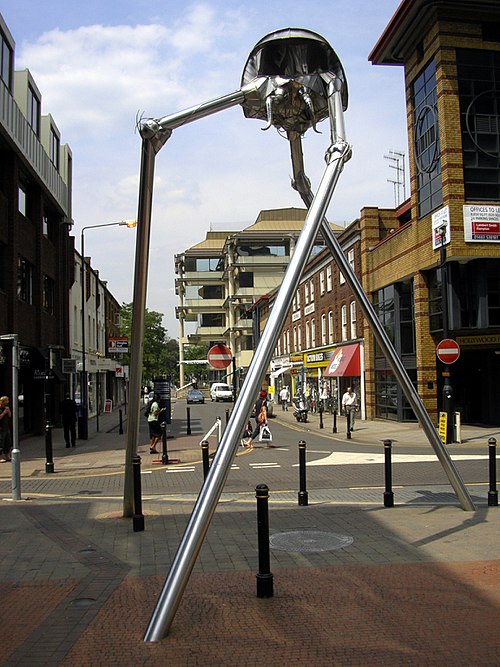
(345, 361)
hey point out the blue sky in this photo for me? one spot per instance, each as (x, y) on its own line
(100, 65)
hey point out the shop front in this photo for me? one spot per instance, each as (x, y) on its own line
(344, 370)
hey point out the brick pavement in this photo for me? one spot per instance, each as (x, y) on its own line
(418, 584)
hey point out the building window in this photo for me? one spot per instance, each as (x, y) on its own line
(202, 264)
(306, 293)
(298, 299)
(479, 92)
(426, 140)
(323, 329)
(24, 280)
(394, 307)
(350, 259)
(352, 311)
(288, 341)
(33, 111)
(308, 335)
(213, 320)
(245, 279)
(54, 148)
(49, 292)
(322, 283)
(22, 200)
(344, 322)
(311, 291)
(435, 301)
(295, 339)
(330, 327)
(329, 278)
(313, 333)
(299, 336)
(5, 61)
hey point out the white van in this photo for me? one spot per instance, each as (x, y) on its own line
(221, 392)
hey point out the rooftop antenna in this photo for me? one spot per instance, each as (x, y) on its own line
(293, 79)
(399, 183)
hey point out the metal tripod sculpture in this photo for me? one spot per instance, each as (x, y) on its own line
(293, 79)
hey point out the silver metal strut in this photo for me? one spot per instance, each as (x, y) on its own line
(197, 527)
(301, 184)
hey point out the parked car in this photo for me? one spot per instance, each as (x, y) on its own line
(195, 396)
(220, 391)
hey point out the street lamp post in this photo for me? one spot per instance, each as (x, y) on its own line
(83, 432)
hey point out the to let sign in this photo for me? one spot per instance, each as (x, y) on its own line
(219, 356)
(448, 351)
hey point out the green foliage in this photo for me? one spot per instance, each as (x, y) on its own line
(160, 353)
(192, 352)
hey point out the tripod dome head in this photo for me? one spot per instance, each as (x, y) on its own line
(288, 78)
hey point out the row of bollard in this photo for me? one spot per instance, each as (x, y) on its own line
(303, 496)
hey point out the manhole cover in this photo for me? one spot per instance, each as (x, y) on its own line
(309, 541)
(83, 602)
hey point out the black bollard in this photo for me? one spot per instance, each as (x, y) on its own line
(120, 414)
(321, 417)
(164, 453)
(227, 416)
(303, 496)
(264, 575)
(388, 493)
(138, 516)
(348, 424)
(334, 422)
(204, 456)
(493, 493)
(49, 464)
(188, 418)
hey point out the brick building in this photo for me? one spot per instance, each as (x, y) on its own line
(36, 251)
(320, 347)
(434, 271)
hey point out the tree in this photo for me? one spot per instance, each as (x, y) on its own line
(161, 353)
(194, 353)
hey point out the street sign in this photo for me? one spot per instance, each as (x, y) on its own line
(219, 356)
(68, 365)
(448, 351)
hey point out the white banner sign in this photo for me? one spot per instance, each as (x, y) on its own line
(440, 225)
(482, 224)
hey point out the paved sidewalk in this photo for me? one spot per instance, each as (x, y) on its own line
(354, 583)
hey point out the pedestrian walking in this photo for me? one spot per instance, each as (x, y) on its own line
(68, 410)
(5, 434)
(285, 398)
(153, 412)
(349, 406)
(260, 412)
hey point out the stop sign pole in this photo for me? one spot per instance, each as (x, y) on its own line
(448, 351)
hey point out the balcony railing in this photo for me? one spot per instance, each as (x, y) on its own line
(20, 132)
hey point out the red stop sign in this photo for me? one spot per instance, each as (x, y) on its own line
(219, 356)
(448, 351)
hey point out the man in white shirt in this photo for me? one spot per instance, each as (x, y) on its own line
(349, 406)
(284, 398)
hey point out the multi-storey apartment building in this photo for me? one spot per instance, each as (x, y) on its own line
(220, 278)
(36, 249)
